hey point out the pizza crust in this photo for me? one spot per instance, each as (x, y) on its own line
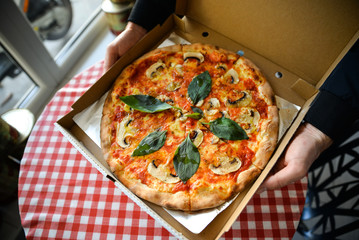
(176, 201)
(269, 138)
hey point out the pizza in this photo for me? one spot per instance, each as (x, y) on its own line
(188, 127)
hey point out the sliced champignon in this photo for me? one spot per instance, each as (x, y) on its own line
(200, 103)
(154, 68)
(123, 132)
(211, 112)
(179, 69)
(196, 136)
(225, 114)
(233, 75)
(162, 173)
(196, 55)
(248, 118)
(222, 66)
(243, 101)
(173, 86)
(211, 106)
(215, 139)
(165, 99)
(214, 103)
(226, 165)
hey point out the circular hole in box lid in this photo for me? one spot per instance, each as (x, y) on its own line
(22, 120)
(240, 52)
(205, 34)
(278, 75)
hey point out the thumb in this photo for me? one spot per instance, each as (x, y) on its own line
(291, 173)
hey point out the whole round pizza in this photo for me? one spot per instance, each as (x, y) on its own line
(188, 127)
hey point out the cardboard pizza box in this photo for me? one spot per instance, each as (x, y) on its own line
(295, 44)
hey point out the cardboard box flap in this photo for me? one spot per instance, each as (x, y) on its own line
(304, 37)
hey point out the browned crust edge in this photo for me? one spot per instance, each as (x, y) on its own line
(269, 135)
(175, 201)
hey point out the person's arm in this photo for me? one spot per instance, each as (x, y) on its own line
(122, 43)
(335, 109)
(145, 15)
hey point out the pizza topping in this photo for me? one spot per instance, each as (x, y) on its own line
(195, 55)
(154, 68)
(215, 139)
(225, 114)
(200, 87)
(162, 173)
(249, 119)
(197, 113)
(146, 103)
(179, 69)
(244, 100)
(186, 160)
(173, 86)
(151, 143)
(232, 75)
(228, 129)
(212, 103)
(197, 137)
(123, 132)
(222, 67)
(165, 99)
(226, 165)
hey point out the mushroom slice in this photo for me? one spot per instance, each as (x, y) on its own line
(197, 55)
(162, 173)
(179, 69)
(200, 103)
(233, 75)
(243, 101)
(249, 119)
(214, 103)
(153, 69)
(165, 99)
(211, 112)
(222, 66)
(196, 136)
(173, 86)
(123, 132)
(226, 165)
(225, 114)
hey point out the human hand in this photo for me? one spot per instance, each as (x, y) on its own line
(305, 147)
(122, 43)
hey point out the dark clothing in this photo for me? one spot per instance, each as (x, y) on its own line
(149, 13)
(336, 107)
(337, 104)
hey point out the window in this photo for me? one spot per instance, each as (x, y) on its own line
(40, 42)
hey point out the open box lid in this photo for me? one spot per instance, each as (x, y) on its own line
(305, 37)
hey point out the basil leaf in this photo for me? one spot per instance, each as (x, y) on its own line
(198, 113)
(145, 103)
(196, 116)
(151, 143)
(186, 160)
(197, 110)
(200, 87)
(228, 129)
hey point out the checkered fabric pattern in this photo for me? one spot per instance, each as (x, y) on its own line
(62, 196)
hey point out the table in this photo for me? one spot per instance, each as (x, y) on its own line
(62, 196)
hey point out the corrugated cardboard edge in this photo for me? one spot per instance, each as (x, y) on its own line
(92, 159)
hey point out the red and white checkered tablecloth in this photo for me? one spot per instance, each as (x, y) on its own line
(62, 196)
